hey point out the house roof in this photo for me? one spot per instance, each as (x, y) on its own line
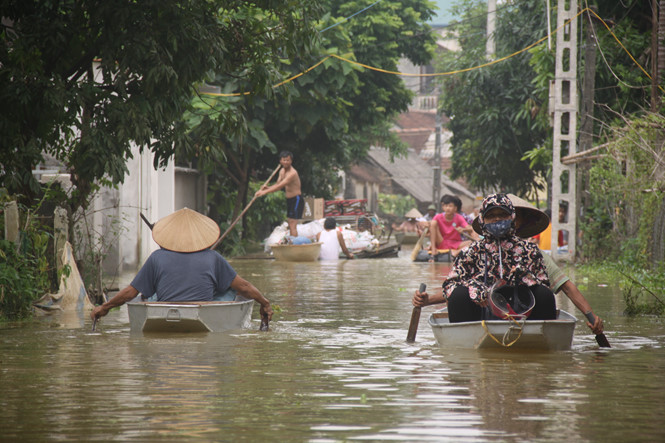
(416, 120)
(415, 127)
(362, 174)
(415, 175)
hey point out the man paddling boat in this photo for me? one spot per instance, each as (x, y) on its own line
(185, 269)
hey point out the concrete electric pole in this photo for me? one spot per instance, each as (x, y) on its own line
(564, 180)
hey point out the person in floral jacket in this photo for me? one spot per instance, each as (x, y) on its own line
(500, 257)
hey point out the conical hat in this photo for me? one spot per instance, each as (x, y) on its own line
(185, 231)
(534, 221)
(413, 213)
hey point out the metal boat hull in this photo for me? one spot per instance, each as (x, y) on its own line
(547, 335)
(212, 316)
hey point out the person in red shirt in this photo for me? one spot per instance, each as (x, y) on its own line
(446, 228)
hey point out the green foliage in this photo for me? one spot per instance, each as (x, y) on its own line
(266, 212)
(24, 268)
(328, 117)
(396, 205)
(643, 290)
(93, 244)
(494, 110)
(106, 76)
(500, 113)
(626, 190)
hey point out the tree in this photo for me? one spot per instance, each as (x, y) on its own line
(493, 109)
(328, 117)
(83, 80)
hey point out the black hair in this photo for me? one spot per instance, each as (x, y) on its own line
(446, 199)
(286, 154)
(330, 223)
(458, 203)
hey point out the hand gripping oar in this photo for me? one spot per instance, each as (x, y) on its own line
(219, 240)
(415, 318)
(600, 338)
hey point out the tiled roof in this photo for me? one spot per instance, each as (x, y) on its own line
(415, 175)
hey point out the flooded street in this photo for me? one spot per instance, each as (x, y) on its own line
(334, 367)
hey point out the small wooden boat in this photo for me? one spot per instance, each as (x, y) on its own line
(211, 316)
(550, 335)
(383, 250)
(306, 252)
(407, 238)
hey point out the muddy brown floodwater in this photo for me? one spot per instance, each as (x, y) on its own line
(333, 367)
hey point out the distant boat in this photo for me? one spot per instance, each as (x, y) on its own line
(211, 316)
(297, 253)
(549, 335)
(407, 238)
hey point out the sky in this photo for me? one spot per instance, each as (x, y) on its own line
(443, 13)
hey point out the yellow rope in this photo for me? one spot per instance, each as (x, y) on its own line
(288, 80)
(435, 74)
(503, 341)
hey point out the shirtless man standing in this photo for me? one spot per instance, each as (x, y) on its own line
(289, 180)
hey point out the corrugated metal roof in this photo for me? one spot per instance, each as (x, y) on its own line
(415, 175)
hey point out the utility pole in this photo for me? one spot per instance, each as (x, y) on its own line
(564, 180)
(436, 168)
(490, 47)
(586, 111)
(655, 57)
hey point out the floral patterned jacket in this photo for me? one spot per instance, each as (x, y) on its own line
(480, 266)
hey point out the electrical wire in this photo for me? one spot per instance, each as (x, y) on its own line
(438, 74)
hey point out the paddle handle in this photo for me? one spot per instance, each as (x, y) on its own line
(600, 338)
(264, 323)
(415, 318)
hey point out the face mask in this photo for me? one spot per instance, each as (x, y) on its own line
(499, 229)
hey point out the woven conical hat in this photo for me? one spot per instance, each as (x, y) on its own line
(413, 213)
(534, 221)
(185, 231)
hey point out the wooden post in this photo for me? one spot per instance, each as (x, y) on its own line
(11, 222)
(60, 234)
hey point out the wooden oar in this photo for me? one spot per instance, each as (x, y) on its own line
(415, 318)
(600, 338)
(219, 240)
(264, 323)
(150, 225)
(419, 244)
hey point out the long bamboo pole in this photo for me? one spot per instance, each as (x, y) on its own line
(219, 240)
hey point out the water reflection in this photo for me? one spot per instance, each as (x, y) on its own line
(334, 367)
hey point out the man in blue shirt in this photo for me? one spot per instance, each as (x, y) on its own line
(185, 269)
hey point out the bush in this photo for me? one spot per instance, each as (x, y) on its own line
(627, 189)
(642, 291)
(23, 275)
(396, 205)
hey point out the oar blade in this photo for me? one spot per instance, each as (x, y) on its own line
(600, 338)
